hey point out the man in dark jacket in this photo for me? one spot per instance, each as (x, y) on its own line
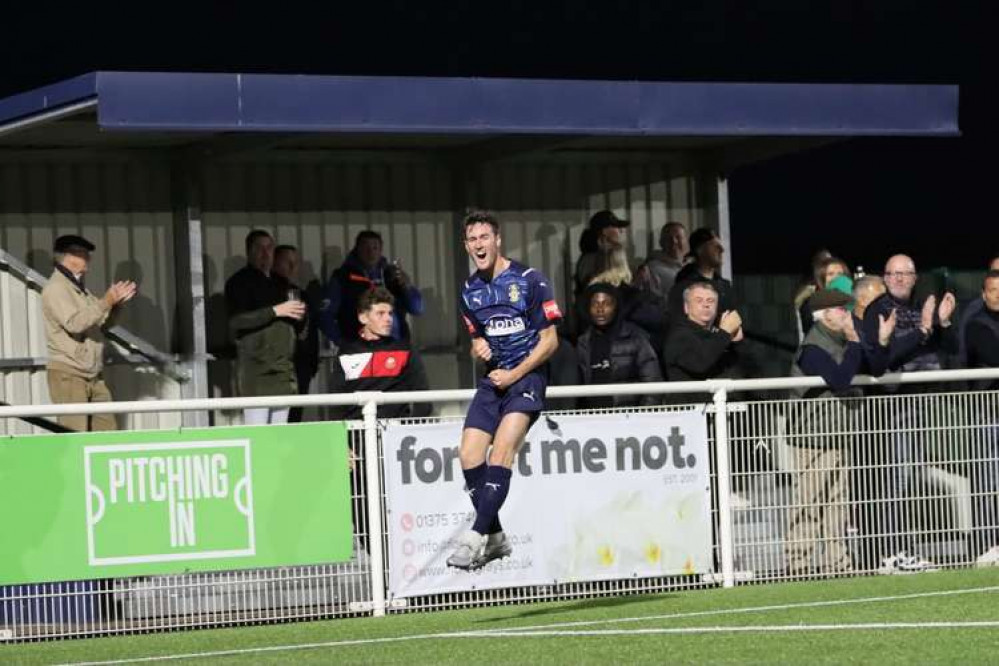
(262, 321)
(614, 351)
(982, 345)
(364, 269)
(981, 334)
(970, 312)
(921, 332)
(706, 253)
(376, 361)
(867, 290)
(285, 273)
(695, 348)
(870, 471)
(920, 335)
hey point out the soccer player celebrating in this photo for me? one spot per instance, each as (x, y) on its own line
(509, 310)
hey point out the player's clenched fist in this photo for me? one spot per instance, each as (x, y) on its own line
(481, 349)
(502, 379)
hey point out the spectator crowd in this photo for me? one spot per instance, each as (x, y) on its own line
(672, 317)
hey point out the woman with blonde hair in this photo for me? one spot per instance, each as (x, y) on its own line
(825, 268)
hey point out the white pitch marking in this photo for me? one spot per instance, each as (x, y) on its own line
(281, 648)
(749, 609)
(879, 626)
(514, 631)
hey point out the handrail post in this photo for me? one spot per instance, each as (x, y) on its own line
(725, 541)
(374, 503)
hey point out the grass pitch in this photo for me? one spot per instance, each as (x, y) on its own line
(932, 618)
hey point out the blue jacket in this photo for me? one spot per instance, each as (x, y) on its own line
(338, 312)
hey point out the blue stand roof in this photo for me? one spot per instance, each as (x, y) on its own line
(146, 101)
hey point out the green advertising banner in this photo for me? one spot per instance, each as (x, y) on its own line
(116, 504)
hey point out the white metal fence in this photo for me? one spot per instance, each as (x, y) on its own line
(800, 489)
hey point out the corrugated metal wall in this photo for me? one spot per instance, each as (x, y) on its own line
(543, 206)
(124, 208)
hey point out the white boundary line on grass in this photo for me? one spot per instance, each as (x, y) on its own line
(546, 629)
(749, 609)
(763, 628)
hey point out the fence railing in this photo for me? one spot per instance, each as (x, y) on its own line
(893, 481)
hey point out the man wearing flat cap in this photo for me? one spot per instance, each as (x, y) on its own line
(74, 319)
(820, 451)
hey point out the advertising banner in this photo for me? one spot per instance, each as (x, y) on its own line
(593, 497)
(115, 504)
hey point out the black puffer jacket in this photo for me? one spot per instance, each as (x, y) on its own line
(632, 360)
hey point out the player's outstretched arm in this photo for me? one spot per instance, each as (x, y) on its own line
(547, 344)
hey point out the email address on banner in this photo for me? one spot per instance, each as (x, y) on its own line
(433, 546)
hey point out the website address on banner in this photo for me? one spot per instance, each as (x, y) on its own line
(508, 564)
(431, 546)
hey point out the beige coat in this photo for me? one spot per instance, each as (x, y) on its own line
(73, 321)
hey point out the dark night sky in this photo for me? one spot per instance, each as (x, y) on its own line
(866, 198)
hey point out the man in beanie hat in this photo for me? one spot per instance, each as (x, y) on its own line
(74, 319)
(706, 252)
(614, 351)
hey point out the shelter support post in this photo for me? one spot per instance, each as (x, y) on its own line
(724, 484)
(190, 289)
(463, 197)
(372, 471)
(724, 230)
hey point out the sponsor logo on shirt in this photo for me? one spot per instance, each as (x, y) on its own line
(505, 326)
(354, 364)
(551, 310)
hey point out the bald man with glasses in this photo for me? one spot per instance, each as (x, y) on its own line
(922, 332)
(921, 329)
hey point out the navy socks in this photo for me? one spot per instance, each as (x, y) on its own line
(474, 478)
(489, 498)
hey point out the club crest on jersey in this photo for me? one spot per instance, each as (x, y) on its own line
(505, 326)
(514, 293)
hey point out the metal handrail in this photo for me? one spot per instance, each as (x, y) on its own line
(709, 387)
(133, 343)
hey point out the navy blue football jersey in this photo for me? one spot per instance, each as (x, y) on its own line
(509, 311)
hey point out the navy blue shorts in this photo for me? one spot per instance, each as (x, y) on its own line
(490, 405)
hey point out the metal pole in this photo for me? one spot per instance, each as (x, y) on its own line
(725, 542)
(724, 226)
(374, 501)
(190, 285)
